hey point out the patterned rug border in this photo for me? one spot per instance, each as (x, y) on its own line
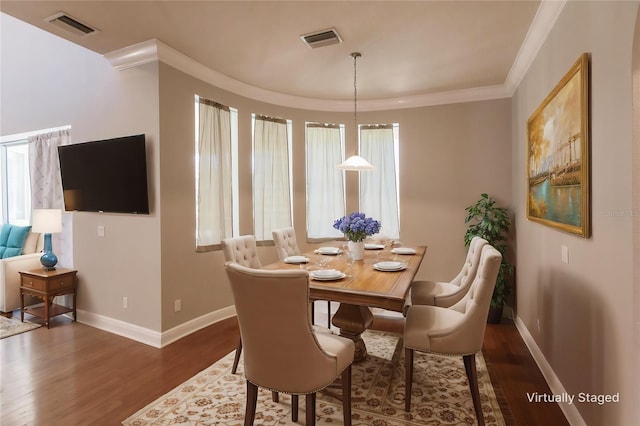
(197, 390)
(10, 326)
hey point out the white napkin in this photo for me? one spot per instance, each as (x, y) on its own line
(403, 250)
(296, 259)
(328, 250)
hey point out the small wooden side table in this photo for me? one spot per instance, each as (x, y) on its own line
(46, 285)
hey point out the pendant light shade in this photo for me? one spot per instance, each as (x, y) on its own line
(355, 162)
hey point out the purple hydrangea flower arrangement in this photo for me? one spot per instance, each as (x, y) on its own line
(356, 226)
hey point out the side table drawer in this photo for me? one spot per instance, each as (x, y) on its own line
(34, 283)
(51, 284)
(62, 283)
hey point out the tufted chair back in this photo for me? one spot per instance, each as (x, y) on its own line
(241, 250)
(466, 275)
(446, 294)
(285, 242)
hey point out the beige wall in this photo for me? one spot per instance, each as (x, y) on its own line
(47, 82)
(584, 308)
(448, 156)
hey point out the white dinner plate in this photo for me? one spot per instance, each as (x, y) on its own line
(329, 250)
(403, 250)
(296, 259)
(390, 266)
(327, 274)
(373, 246)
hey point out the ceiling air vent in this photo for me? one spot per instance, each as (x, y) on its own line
(322, 38)
(68, 23)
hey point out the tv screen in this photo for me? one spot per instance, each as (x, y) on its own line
(105, 176)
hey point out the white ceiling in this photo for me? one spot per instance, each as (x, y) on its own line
(412, 51)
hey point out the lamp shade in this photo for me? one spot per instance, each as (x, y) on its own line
(355, 163)
(46, 221)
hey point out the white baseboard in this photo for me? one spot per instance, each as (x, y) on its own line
(151, 337)
(570, 411)
(196, 324)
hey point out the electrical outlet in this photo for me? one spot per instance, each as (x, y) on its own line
(177, 305)
(125, 302)
(100, 231)
(564, 254)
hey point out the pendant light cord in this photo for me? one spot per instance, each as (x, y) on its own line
(355, 56)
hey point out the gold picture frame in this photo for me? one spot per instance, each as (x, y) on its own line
(558, 155)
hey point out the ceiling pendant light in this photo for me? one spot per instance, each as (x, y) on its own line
(355, 162)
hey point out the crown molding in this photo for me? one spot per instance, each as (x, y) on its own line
(439, 98)
(542, 24)
(155, 50)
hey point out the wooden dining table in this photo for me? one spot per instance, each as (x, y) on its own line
(362, 288)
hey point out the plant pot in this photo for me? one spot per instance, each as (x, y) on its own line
(356, 250)
(495, 315)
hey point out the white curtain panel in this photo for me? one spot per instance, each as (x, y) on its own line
(271, 186)
(378, 188)
(214, 212)
(325, 183)
(44, 169)
(46, 187)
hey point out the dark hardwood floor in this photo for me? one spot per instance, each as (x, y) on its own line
(73, 374)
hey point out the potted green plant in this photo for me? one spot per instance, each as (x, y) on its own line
(492, 223)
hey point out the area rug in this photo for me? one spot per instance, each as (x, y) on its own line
(440, 394)
(13, 326)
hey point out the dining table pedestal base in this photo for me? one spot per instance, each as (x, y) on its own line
(353, 320)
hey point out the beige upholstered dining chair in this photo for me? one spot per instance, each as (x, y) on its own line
(241, 250)
(458, 330)
(445, 294)
(287, 245)
(281, 350)
(285, 241)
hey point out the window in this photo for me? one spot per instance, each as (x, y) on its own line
(271, 175)
(325, 183)
(379, 188)
(216, 172)
(14, 178)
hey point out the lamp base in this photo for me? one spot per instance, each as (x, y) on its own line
(48, 259)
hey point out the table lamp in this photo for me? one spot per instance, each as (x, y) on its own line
(47, 221)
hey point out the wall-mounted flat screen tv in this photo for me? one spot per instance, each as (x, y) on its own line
(105, 176)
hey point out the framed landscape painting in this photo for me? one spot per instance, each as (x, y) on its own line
(558, 155)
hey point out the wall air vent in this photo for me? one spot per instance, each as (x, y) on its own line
(321, 38)
(68, 23)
